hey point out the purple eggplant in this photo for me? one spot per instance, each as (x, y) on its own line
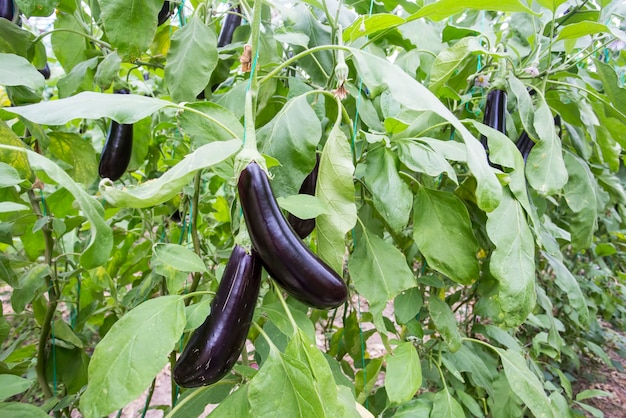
(117, 149)
(304, 227)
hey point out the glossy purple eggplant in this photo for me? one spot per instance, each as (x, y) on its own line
(164, 13)
(304, 227)
(7, 9)
(231, 22)
(117, 149)
(495, 114)
(285, 257)
(214, 346)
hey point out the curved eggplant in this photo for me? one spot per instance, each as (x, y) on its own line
(117, 149)
(231, 22)
(304, 227)
(164, 13)
(215, 345)
(285, 257)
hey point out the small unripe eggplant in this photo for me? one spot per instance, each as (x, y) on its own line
(117, 149)
(231, 22)
(285, 257)
(45, 71)
(214, 346)
(303, 227)
(164, 13)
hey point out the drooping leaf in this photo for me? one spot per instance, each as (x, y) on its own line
(403, 375)
(123, 108)
(335, 190)
(202, 130)
(69, 47)
(445, 322)
(371, 24)
(157, 191)
(443, 233)
(379, 270)
(291, 137)
(107, 70)
(130, 25)
(513, 261)
(420, 157)
(445, 406)
(131, 354)
(566, 281)
(581, 199)
(17, 71)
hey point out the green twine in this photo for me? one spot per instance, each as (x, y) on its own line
(181, 15)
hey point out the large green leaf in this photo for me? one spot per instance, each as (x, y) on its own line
(191, 59)
(566, 281)
(234, 406)
(335, 190)
(157, 191)
(445, 406)
(443, 9)
(581, 198)
(69, 47)
(21, 410)
(12, 385)
(451, 60)
(445, 322)
(443, 233)
(379, 74)
(580, 29)
(193, 402)
(379, 270)
(178, 257)
(131, 354)
(366, 26)
(79, 79)
(78, 153)
(612, 86)
(418, 155)
(202, 130)
(17, 71)
(16, 159)
(284, 387)
(42, 8)
(512, 262)
(525, 384)
(403, 375)
(551, 4)
(123, 108)
(483, 372)
(101, 241)
(291, 137)
(130, 25)
(392, 197)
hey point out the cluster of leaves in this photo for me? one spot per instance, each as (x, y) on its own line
(484, 285)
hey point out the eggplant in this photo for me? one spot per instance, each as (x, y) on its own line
(303, 227)
(214, 346)
(285, 257)
(495, 115)
(524, 145)
(231, 22)
(45, 71)
(7, 9)
(117, 149)
(164, 13)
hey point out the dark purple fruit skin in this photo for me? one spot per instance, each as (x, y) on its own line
(231, 22)
(117, 149)
(215, 345)
(285, 257)
(7, 9)
(304, 227)
(45, 71)
(524, 145)
(164, 13)
(495, 116)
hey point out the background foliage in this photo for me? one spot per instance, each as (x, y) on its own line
(484, 284)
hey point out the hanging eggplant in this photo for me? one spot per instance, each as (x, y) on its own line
(231, 22)
(164, 13)
(285, 257)
(214, 346)
(304, 227)
(117, 149)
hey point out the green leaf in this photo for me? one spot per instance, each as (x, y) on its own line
(101, 241)
(445, 406)
(422, 158)
(178, 257)
(524, 104)
(202, 130)
(525, 384)
(512, 262)
(365, 26)
(17, 71)
(580, 196)
(580, 29)
(284, 387)
(392, 197)
(79, 79)
(552, 5)
(403, 376)
(78, 153)
(304, 206)
(483, 373)
(197, 313)
(417, 408)
(29, 284)
(593, 393)
(291, 137)
(107, 70)
(379, 74)
(379, 270)
(443, 9)
(278, 316)
(63, 332)
(407, 304)
(443, 233)
(130, 25)
(234, 406)
(566, 281)
(16, 159)
(157, 191)
(9, 176)
(69, 48)
(452, 59)
(191, 59)
(612, 86)
(12, 385)
(123, 108)
(193, 402)
(6, 207)
(131, 354)
(335, 190)
(21, 410)
(545, 168)
(445, 322)
(41, 8)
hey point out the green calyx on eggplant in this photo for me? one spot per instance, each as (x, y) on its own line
(495, 114)
(214, 346)
(117, 149)
(231, 22)
(285, 257)
(164, 13)
(303, 227)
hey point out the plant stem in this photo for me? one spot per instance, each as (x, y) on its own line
(91, 38)
(148, 398)
(285, 307)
